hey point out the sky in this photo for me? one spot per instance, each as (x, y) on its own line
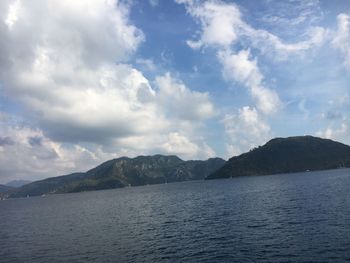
(82, 82)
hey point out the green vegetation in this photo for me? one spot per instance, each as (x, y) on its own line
(124, 172)
(287, 155)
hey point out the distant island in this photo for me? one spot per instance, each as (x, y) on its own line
(279, 155)
(287, 155)
(123, 172)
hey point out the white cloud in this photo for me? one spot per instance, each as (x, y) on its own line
(341, 38)
(177, 100)
(71, 80)
(238, 67)
(66, 62)
(294, 15)
(181, 145)
(336, 118)
(245, 130)
(153, 3)
(28, 154)
(264, 40)
(148, 64)
(12, 14)
(340, 133)
(222, 26)
(219, 22)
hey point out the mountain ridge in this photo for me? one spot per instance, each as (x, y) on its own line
(17, 183)
(121, 172)
(287, 155)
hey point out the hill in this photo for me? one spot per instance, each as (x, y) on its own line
(5, 188)
(17, 183)
(287, 155)
(122, 172)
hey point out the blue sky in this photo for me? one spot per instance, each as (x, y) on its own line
(86, 81)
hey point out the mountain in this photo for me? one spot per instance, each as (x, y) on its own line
(287, 155)
(5, 188)
(122, 172)
(17, 183)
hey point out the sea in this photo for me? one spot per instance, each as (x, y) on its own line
(301, 217)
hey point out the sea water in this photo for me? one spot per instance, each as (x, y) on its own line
(303, 217)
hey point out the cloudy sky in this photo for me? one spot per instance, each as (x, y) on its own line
(82, 82)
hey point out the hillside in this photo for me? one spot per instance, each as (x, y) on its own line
(287, 155)
(122, 172)
(5, 188)
(17, 183)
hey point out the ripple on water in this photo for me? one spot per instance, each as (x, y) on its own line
(282, 218)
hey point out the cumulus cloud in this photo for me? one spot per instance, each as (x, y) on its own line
(177, 143)
(26, 153)
(341, 38)
(220, 23)
(61, 65)
(177, 100)
(245, 130)
(336, 133)
(239, 67)
(182, 143)
(67, 63)
(71, 81)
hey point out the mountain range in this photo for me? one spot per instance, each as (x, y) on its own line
(123, 172)
(287, 155)
(279, 155)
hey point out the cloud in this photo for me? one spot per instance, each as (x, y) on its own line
(147, 64)
(296, 15)
(222, 26)
(264, 40)
(177, 100)
(219, 23)
(341, 38)
(153, 3)
(336, 119)
(340, 133)
(224, 29)
(73, 77)
(28, 154)
(67, 63)
(240, 68)
(183, 143)
(177, 143)
(6, 140)
(245, 130)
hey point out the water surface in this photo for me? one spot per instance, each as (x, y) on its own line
(301, 217)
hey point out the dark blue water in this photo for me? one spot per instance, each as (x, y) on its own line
(282, 218)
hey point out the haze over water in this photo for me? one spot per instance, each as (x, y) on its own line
(301, 217)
